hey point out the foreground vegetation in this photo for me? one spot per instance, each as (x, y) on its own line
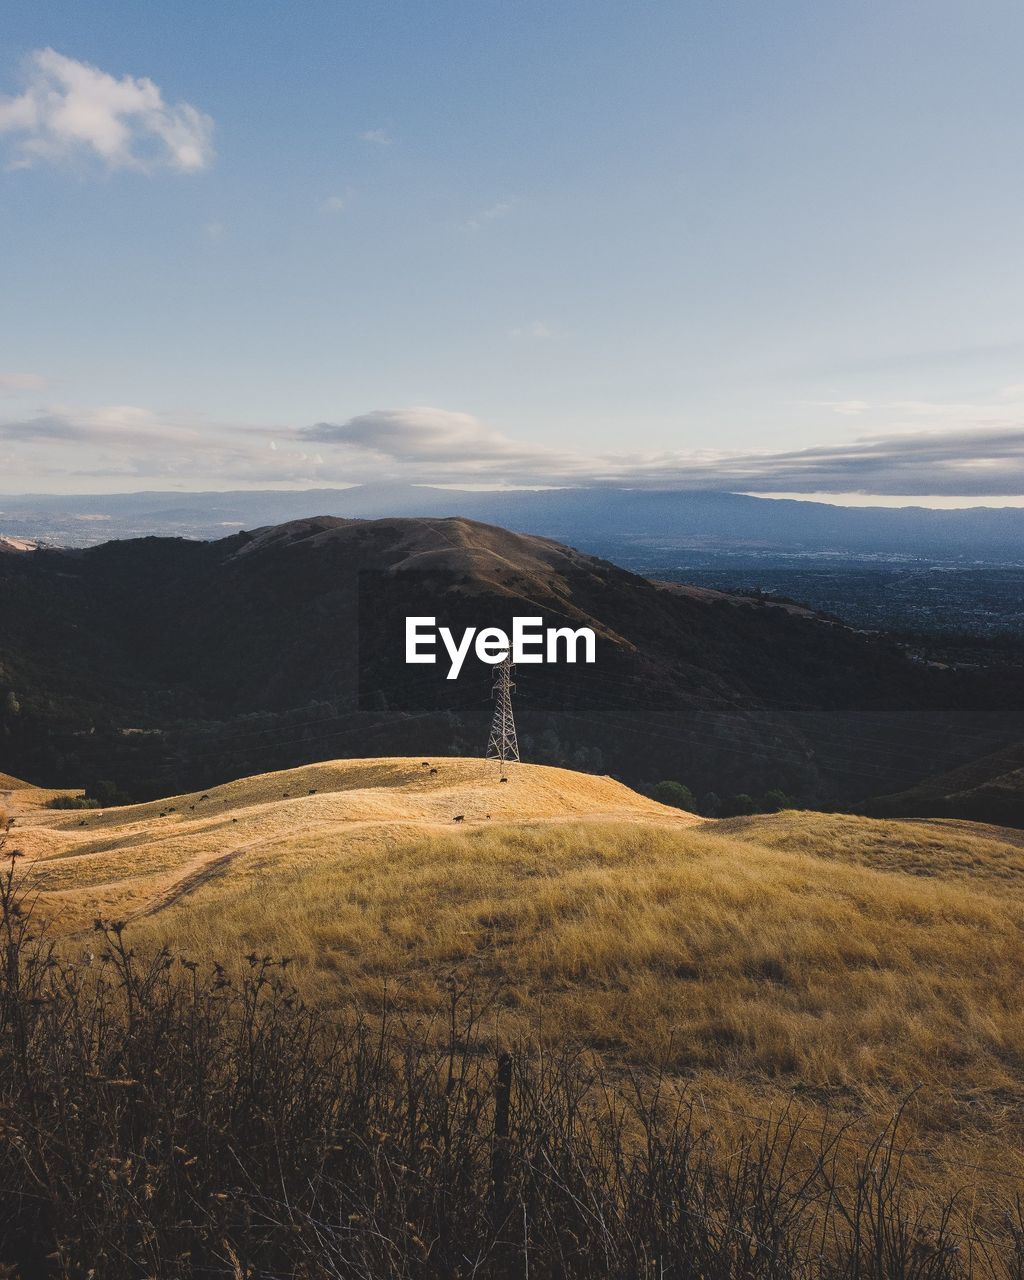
(165, 1119)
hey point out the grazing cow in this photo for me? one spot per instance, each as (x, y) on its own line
(426, 764)
(503, 779)
(312, 791)
(433, 771)
(459, 817)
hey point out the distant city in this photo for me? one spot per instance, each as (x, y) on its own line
(878, 593)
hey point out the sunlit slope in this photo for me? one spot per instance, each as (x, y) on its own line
(142, 858)
(837, 947)
(842, 960)
(17, 796)
(824, 959)
(973, 854)
(835, 962)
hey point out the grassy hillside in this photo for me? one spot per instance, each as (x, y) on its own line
(830, 962)
(139, 858)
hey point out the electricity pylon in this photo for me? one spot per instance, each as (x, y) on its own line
(502, 744)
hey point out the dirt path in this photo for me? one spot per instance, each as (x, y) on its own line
(207, 870)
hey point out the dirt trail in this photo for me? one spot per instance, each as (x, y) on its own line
(197, 876)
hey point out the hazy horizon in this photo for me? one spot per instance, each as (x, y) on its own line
(936, 502)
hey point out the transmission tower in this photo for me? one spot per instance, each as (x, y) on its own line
(502, 745)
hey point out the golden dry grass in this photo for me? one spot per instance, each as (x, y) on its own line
(842, 960)
(140, 858)
(17, 796)
(938, 848)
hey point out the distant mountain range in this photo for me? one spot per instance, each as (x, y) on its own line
(161, 664)
(605, 521)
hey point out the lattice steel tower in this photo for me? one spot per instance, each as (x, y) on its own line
(502, 744)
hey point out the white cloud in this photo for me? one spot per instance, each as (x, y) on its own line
(70, 108)
(436, 446)
(14, 383)
(133, 445)
(425, 435)
(849, 408)
(379, 137)
(540, 330)
(336, 204)
(964, 456)
(118, 425)
(500, 209)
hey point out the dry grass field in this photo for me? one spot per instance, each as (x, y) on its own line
(28, 797)
(827, 962)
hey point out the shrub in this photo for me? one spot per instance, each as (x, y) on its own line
(72, 802)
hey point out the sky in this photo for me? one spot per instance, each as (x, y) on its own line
(774, 248)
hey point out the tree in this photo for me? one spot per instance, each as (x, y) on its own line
(675, 794)
(106, 793)
(776, 799)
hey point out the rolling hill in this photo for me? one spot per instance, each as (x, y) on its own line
(986, 790)
(145, 857)
(18, 796)
(159, 665)
(824, 962)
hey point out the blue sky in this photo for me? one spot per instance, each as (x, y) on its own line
(774, 247)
